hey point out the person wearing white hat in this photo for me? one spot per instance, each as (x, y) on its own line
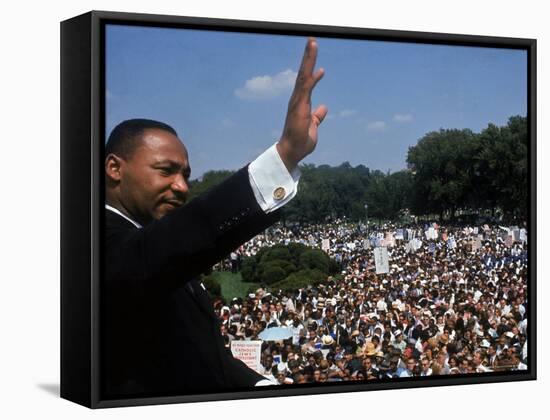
(399, 343)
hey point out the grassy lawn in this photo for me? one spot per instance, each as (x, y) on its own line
(232, 284)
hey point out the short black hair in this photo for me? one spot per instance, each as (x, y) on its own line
(126, 136)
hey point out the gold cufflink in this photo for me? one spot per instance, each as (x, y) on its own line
(279, 193)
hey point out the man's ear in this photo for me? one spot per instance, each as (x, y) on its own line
(113, 165)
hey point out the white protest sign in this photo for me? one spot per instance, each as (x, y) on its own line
(451, 243)
(325, 245)
(366, 244)
(476, 245)
(414, 245)
(399, 234)
(390, 240)
(248, 352)
(523, 235)
(381, 260)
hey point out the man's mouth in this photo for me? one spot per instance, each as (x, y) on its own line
(174, 203)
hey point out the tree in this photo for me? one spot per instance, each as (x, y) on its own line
(388, 195)
(502, 166)
(315, 259)
(441, 165)
(291, 264)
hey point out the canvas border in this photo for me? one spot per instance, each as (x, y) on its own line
(82, 142)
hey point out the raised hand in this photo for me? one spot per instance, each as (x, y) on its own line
(299, 136)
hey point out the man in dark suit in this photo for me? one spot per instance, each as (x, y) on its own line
(159, 333)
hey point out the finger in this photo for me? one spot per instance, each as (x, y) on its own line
(317, 76)
(305, 89)
(309, 58)
(319, 114)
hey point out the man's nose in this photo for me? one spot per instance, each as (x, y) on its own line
(180, 184)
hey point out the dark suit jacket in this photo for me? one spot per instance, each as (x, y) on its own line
(159, 333)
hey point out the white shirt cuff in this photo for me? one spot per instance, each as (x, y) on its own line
(265, 382)
(272, 184)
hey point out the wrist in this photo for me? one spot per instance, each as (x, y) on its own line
(286, 156)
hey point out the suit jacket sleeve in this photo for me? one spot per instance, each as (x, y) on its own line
(188, 240)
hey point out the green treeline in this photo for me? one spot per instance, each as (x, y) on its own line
(449, 170)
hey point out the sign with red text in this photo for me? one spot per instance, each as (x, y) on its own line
(248, 352)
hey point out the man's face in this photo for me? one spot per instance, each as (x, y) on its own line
(317, 375)
(477, 359)
(425, 365)
(153, 181)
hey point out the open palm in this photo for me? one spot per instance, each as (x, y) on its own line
(300, 132)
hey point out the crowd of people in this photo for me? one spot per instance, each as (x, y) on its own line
(454, 301)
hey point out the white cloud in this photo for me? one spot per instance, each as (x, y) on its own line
(267, 87)
(228, 122)
(402, 118)
(347, 113)
(376, 126)
(109, 95)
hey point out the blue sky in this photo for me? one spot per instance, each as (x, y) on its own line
(226, 93)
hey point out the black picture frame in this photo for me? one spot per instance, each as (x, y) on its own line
(82, 140)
